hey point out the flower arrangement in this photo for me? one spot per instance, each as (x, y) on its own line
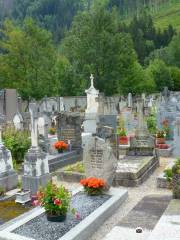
(56, 202)
(93, 186)
(166, 128)
(52, 130)
(162, 146)
(121, 132)
(160, 134)
(60, 146)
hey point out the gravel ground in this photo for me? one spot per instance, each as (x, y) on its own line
(135, 195)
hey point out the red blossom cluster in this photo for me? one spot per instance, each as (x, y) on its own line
(93, 182)
(60, 145)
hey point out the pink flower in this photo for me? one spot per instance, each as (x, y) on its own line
(36, 203)
(78, 216)
(57, 202)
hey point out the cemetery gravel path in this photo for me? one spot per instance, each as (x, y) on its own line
(135, 195)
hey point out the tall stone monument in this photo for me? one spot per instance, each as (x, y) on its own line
(36, 168)
(90, 123)
(142, 144)
(130, 101)
(176, 150)
(8, 177)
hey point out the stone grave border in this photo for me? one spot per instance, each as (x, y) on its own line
(82, 231)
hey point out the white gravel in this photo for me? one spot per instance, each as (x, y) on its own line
(135, 195)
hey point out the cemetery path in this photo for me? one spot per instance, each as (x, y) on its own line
(135, 196)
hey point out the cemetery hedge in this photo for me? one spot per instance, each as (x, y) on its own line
(18, 142)
(53, 55)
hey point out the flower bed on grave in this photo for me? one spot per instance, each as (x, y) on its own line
(91, 212)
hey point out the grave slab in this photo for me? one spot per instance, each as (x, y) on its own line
(168, 227)
(82, 230)
(134, 170)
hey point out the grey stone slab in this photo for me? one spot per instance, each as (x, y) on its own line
(168, 227)
(9, 181)
(68, 176)
(62, 160)
(146, 213)
(132, 171)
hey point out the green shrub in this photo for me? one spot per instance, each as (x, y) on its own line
(151, 124)
(168, 174)
(18, 142)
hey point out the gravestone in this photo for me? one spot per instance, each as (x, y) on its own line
(43, 132)
(8, 177)
(18, 121)
(91, 113)
(69, 128)
(99, 159)
(142, 144)
(36, 168)
(176, 150)
(130, 101)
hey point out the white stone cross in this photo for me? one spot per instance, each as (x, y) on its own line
(92, 80)
(34, 124)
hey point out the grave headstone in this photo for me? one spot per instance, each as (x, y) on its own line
(130, 101)
(91, 113)
(142, 144)
(99, 159)
(8, 177)
(18, 121)
(176, 150)
(69, 128)
(36, 168)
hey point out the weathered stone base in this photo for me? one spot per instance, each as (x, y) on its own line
(134, 170)
(164, 152)
(61, 160)
(33, 183)
(9, 181)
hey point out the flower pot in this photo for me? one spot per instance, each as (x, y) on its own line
(123, 140)
(55, 218)
(23, 197)
(60, 150)
(160, 140)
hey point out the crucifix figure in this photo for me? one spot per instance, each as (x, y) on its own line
(92, 80)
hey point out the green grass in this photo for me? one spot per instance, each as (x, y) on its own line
(77, 167)
(168, 15)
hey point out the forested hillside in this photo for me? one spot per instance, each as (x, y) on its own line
(50, 47)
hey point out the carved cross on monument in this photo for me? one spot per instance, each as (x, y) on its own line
(34, 124)
(92, 80)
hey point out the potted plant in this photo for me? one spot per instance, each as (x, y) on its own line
(56, 202)
(123, 139)
(52, 131)
(160, 137)
(176, 179)
(93, 186)
(168, 174)
(60, 146)
(166, 128)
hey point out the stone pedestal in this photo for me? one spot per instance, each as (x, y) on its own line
(8, 177)
(36, 170)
